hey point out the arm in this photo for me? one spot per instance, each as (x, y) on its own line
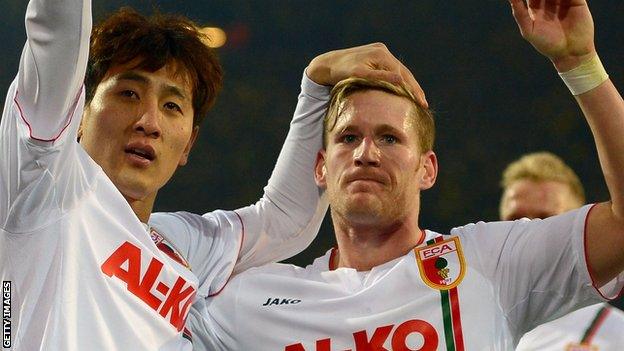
(53, 64)
(289, 215)
(39, 107)
(563, 31)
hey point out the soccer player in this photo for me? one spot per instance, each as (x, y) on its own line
(390, 285)
(85, 263)
(540, 185)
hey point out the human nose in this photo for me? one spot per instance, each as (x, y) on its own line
(367, 153)
(149, 121)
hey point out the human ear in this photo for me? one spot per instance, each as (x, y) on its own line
(429, 161)
(320, 170)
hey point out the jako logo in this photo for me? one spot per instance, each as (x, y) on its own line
(180, 293)
(398, 339)
(272, 301)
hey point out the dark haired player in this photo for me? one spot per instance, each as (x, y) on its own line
(90, 268)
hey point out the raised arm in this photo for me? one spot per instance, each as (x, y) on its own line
(288, 217)
(53, 64)
(563, 31)
(39, 115)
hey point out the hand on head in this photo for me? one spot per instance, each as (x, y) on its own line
(372, 61)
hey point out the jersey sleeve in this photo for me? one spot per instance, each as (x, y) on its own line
(39, 158)
(209, 243)
(288, 216)
(53, 65)
(538, 268)
(282, 223)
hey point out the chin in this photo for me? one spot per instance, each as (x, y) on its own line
(133, 189)
(367, 212)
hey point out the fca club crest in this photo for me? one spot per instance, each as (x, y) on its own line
(442, 264)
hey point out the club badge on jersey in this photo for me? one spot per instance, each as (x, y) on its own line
(166, 247)
(441, 264)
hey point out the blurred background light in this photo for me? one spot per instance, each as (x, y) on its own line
(216, 37)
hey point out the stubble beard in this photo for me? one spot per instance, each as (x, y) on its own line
(364, 210)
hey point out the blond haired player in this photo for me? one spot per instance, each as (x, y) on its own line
(83, 260)
(389, 284)
(540, 185)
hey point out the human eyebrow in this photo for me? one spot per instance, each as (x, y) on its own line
(175, 91)
(347, 129)
(386, 128)
(142, 79)
(133, 76)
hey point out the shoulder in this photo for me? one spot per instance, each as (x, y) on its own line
(209, 223)
(277, 271)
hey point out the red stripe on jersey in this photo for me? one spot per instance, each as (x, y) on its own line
(596, 324)
(169, 251)
(332, 259)
(458, 336)
(457, 326)
(589, 269)
(30, 131)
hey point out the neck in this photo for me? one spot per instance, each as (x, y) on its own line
(142, 208)
(364, 246)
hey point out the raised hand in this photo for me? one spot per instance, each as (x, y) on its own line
(562, 30)
(373, 61)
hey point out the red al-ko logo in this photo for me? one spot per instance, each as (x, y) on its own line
(442, 265)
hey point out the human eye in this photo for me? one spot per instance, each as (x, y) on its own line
(389, 139)
(129, 94)
(172, 106)
(348, 138)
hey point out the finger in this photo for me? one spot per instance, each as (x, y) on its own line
(521, 15)
(380, 74)
(536, 4)
(391, 63)
(415, 88)
(551, 9)
(386, 66)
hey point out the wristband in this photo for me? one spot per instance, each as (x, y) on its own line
(585, 77)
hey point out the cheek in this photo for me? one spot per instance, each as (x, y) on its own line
(103, 121)
(181, 135)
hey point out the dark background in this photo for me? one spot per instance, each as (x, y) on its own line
(495, 97)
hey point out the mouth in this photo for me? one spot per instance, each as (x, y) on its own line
(367, 178)
(143, 154)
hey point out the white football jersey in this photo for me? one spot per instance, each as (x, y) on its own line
(79, 270)
(598, 327)
(480, 288)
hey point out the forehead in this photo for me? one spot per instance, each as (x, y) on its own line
(527, 198)
(171, 75)
(374, 108)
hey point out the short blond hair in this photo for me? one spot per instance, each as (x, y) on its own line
(425, 126)
(540, 167)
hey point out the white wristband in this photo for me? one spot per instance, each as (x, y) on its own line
(585, 77)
